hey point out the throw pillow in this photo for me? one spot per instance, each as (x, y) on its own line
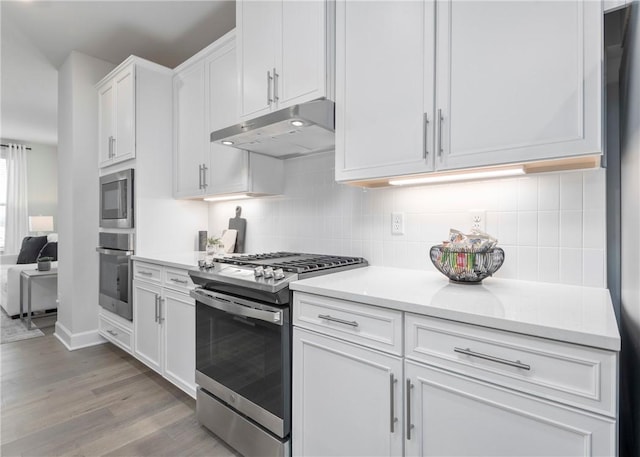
(31, 246)
(49, 250)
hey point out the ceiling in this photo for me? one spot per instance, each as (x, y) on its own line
(37, 37)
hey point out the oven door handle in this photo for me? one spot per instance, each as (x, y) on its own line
(113, 251)
(273, 317)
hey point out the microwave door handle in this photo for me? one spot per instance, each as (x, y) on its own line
(274, 317)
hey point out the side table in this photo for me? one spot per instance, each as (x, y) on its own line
(29, 276)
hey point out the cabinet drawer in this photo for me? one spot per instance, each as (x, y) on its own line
(370, 326)
(116, 334)
(147, 272)
(572, 374)
(178, 279)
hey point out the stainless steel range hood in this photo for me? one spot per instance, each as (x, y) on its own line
(289, 132)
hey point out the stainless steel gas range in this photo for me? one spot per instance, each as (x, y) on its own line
(243, 345)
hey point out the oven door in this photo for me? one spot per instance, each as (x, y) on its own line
(115, 281)
(116, 200)
(243, 357)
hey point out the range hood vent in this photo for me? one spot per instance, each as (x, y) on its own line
(289, 132)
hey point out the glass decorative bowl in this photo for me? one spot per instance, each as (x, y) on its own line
(466, 267)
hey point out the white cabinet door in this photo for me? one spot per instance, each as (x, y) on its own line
(179, 315)
(117, 117)
(228, 167)
(258, 23)
(300, 68)
(190, 141)
(344, 399)
(518, 81)
(125, 123)
(384, 88)
(106, 114)
(451, 414)
(146, 324)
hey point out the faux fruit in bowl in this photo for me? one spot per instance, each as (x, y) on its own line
(468, 258)
(468, 267)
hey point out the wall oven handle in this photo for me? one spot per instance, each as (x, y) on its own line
(274, 317)
(113, 251)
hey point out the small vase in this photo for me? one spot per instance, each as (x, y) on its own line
(211, 249)
(44, 266)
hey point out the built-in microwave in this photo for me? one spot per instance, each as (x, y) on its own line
(116, 200)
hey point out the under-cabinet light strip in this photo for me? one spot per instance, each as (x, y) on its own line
(226, 197)
(458, 177)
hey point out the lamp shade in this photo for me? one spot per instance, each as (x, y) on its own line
(41, 223)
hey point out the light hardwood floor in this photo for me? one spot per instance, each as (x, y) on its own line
(93, 401)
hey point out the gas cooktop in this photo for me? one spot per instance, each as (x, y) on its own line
(292, 262)
(268, 273)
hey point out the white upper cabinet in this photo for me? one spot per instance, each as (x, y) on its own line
(384, 88)
(190, 138)
(518, 81)
(284, 54)
(116, 113)
(514, 82)
(227, 166)
(206, 99)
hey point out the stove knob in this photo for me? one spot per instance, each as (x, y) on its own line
(278, 274)
(258, 271)
(268, 272)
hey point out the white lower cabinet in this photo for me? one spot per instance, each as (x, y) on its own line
(453, 414)
(179, 340)
(147, 329)
(459, 390)
(346, 398)
(164, 327)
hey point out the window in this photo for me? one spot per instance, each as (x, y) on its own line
(3, 199)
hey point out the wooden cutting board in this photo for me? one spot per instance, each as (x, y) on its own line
(240, 225)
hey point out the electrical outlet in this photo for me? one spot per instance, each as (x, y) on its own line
(397, 223)
(478, 217)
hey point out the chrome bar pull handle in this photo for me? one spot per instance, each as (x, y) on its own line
(146, 273)
(204, 176)
(113, 146)
(112, 333)
(269, 79)
(275, 86)
(469, 352)
(160, 312)
(156, 316)
(409, 424)
(425, 150)
(110, 146)
(179, 281)
(339, 321)
(440, 132)
(200, 176)
(393, 419)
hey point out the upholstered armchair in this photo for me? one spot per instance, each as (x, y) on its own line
(44, 292)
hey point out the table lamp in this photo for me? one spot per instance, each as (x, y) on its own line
(40, 224)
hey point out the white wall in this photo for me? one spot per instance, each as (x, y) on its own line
(552, 227)
(78, 200)
(42, 181)
(630, 188)
(29, 87)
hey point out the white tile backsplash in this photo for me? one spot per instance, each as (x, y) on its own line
(551, 226)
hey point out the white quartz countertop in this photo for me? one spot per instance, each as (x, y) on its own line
(183, 260)
(580, 315)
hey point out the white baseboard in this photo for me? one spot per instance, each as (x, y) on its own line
(73, 341)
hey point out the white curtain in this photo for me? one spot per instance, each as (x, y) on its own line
(17, 217)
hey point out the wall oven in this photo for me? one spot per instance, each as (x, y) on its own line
(243, 346)
(115, 253)
(116, 200)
